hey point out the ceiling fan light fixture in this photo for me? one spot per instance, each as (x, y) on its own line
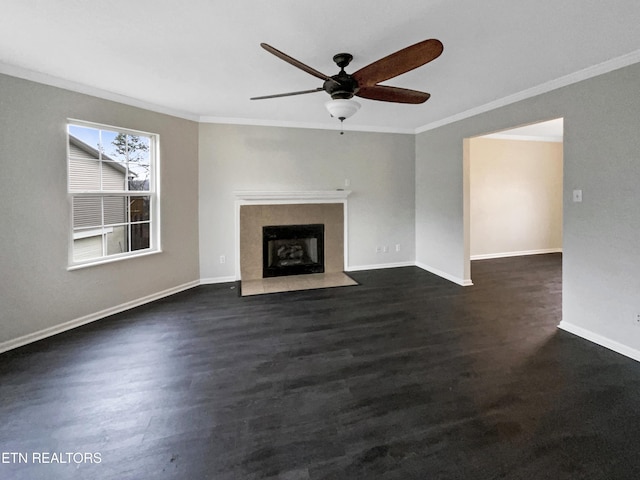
(342, 108)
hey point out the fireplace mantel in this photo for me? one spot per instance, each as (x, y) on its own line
(304, 196)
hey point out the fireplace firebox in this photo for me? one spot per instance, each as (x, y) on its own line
(292, 250)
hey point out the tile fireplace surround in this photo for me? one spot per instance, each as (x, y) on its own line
(257, 209)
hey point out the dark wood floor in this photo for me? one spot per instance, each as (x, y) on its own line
(405, 376)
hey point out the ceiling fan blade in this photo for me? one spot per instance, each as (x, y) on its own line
(302, 92)
(393, 94)
(398, 63)
(294, 62)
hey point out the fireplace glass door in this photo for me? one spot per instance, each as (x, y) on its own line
(293, 249)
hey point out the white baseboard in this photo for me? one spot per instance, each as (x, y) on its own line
(460, 281)
(63, 327)
(600, 340)
(212, 280)
(487, 256)
(378, 266)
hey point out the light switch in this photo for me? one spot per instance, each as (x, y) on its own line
(577, 195)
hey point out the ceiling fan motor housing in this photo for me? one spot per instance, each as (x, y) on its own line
(341, 86)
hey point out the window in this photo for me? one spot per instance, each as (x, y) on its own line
(113, 193)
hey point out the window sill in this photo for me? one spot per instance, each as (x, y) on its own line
(102, 261)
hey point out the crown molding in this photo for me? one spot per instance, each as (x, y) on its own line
(46, 79)
(584, 74)
(53, 81)
(347, 127)
(575, 77)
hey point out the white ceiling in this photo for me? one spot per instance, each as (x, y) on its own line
(201, 59)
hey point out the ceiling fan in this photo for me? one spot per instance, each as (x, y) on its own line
(365, 83)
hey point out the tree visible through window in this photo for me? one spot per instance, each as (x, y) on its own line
(113, 192)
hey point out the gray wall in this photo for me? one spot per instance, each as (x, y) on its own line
(380, 167)
(440, 232)
(601, 257)
(36, 290)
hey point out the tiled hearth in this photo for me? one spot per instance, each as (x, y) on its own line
(295, 282)
(254, 210)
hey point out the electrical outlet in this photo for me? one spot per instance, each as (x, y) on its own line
(637, 319)
(223, 259)
(577, 196)
(397, 247)
(385, 249)
(347, 182)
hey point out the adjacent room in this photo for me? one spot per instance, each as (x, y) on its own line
(515, 191)
(294, 241)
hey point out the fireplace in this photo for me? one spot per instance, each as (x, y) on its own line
(255, 210)
(292, 250)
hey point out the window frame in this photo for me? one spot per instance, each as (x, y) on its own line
(153, 193)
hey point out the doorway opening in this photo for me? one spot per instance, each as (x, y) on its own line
(513, 192)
